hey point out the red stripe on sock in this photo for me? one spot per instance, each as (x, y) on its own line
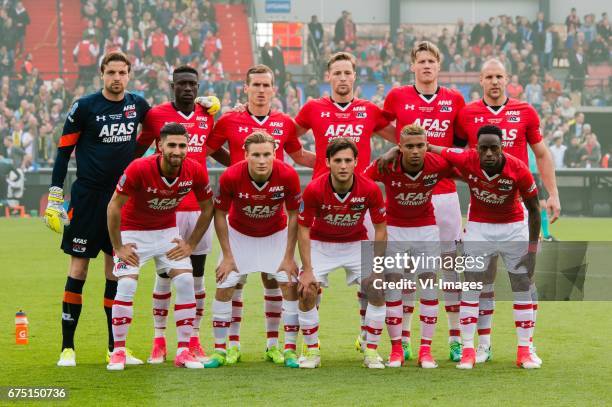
(236, 303)
(485, 312)
(535, 307)
(273, 314)
(373, 331)
(488, 294)
(429, 302)
(406, 334)
(393, 303)
(273, 297)
(393, 320)
(484, 331)
(221, 324)
(524, 324)
(160, 312)
(372, 346)
(468, 320)
(292, 328)
(468, 304)
(360, 294)
(162, 296)
(182, 345)
(185, 322)
(425, 342)
(408, 309)
(178, 307)
(219, 345)
(121, 321)
(272, 334)
(428, 320)
(362, 312)
(119, 344)
(310, 331)
(200, 296)
(124, 303)
(452, 308)
(454, 332)
(234, 338)
(290, 346)
(236, 319)
(523, 306)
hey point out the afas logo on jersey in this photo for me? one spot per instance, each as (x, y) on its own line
(346, 130)
(276, 124)
(359, 109)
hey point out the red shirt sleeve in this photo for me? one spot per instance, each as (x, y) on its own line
(456, 156)
(389, 105)
(372, 173)
(376, 205)
(533, 127)
(218, 136)
(308, 208)
(526, 184)
(130, 181)
(223, 200)
(303, 117)
(292, 144)
(201, 187)
(381, 120)
(294, 195)
(148, 134)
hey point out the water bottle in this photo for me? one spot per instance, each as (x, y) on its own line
(21, 328)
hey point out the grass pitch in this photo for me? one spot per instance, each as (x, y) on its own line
(572, 337)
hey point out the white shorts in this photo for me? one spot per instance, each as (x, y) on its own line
(423, 241)
(448, 219)
(256, 254)
(510, 240)
(151, 244)
(186, 221)
(327, 256)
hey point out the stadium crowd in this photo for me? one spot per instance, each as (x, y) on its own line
(548, 64)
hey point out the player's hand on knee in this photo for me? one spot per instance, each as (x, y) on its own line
(289, 267)
(528, 261)
(210, 103)
(180, 251)
(307, 283)
(127, 254)
(225, 268)
(55, 214)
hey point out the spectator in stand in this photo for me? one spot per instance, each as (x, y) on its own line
(533, 92)
(345, 30)
(482, 30)
(12, 154)
(85, 55)
(603, 26)
(164, 15)
(598, 51)
(552, 88)
(114, 42)
(473, 64)
(158, 43)
(557, 150)
(568, 112)
(315, 36)
(572, 19)
(514, 89)
(588, 28)
(21, 19)
(182, 45)
(573, 154)
(208, 14)
(605, 160)
(312, 91)
(590, 152)
(457, 65)
(212, 46)
(10, 38)
(136, 47)
(578, 69)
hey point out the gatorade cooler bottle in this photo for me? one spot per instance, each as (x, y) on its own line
(21, 328)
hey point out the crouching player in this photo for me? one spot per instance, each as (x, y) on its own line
(258, 238)
(142, 225)
(329, 236)
(496, 227)
(412, 229)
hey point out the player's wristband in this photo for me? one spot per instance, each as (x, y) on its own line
(533, 247)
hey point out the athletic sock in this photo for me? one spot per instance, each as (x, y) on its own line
(273, 306)
(123, 310)
(236, 318)
(161, 305)
(291, 323)
(374, 320)
(71, 310)
(544, 223)
(222, 315)
(110, 290)
(184, 309)
(407, 311)
(309, 323)
(429, 318)
(200, 298)
(485, 314)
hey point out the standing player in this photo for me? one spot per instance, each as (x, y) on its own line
(496, 226)
(412, 228)
(343, 115)
(436, 109)
(520, 126)
(102, 128)
(233, 128)
(330, 235)
(253, 192)
(142, 225)
(199, 123)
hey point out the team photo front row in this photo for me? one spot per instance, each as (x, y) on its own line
(259, 214)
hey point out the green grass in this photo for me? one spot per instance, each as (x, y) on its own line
(573, 339)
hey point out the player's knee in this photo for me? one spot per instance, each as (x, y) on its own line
(520, 282)
(198, 262)
(224, 294)
(183, 281)
(78, 268)
(289, 291)
(269, 283)
(126, 288)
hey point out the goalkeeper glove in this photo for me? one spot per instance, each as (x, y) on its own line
(55, 214)
(211, 103)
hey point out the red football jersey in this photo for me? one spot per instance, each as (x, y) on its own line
(328, 120)
(258, 210)
(493, 199)
(408, 198)
(153, 199)
(336, 219)
(438, 116)
(235, 127)
(518, 121)
(198, 124)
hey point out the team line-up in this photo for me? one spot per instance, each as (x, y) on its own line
(161, 207)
